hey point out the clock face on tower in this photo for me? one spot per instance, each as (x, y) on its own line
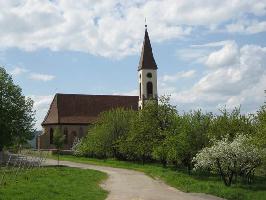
(149, 75)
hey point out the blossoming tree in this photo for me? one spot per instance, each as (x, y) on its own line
(230, 159)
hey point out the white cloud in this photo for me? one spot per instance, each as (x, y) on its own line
(112, 28)
(179, 75)
(213, 44)
(194, 55)
(199, 53)
(247, 26)
(31, 75)
(18, 71)
(41, 105)
(228, 55)
(41, 77)
(241, 80)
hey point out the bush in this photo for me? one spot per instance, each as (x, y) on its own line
(230, 159)
(103, 138)
(142, 136)
(189, 137)
(230, 123)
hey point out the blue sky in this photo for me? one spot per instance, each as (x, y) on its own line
(210, 54)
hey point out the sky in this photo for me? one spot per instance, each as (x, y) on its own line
(210, 54)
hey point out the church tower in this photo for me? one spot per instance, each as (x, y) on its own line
(147, 72)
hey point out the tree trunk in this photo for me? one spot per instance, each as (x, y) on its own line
(164, 163)
(230, 178)
(189, 167)
(221, 172)
(175, 165)
(235, 181)
(188, 163)
(143, 159)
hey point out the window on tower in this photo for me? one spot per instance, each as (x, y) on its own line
(149, 75)
(149, 90)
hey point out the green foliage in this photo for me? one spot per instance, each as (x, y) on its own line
(16, 113)
(260, 137)
(189, 138)
(260, 121)
(168, 119)
(104, 137)
(230, 124)
(59, 139)
(143, 134)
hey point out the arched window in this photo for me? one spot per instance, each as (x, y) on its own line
(51, 136)
(66, 135)
(140, 90)
(80, 132)
(149, 90)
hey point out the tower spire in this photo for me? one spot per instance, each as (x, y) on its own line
(145, 24)
(146, 58)
(147, 71)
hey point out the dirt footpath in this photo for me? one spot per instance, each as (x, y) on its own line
(126, 184)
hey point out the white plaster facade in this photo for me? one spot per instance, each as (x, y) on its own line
(143, 81)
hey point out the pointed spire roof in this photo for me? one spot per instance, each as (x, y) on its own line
(146, 59)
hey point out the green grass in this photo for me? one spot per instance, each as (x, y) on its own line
(182, 181)
(60, 183)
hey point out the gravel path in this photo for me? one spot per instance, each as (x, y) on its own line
(126, 184)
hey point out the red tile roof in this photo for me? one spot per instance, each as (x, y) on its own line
(84, 109)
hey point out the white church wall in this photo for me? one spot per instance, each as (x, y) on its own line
(143, 80)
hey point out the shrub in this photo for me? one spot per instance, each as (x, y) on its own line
(103, 138)
(230, 123)
(230, 159)
(189, 137)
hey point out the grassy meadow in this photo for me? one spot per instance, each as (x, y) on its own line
(58, 183)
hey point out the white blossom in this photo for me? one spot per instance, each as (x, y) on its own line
(229, 158)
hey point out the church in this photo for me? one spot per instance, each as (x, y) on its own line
(75, 113)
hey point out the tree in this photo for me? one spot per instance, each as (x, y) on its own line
(59, 139)
(190, 136)
(260, 124)
(230, 158)
(230, 123)
(143, 134)
(259, 138)
(167, 117)
(104, 137)
(16, 113)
